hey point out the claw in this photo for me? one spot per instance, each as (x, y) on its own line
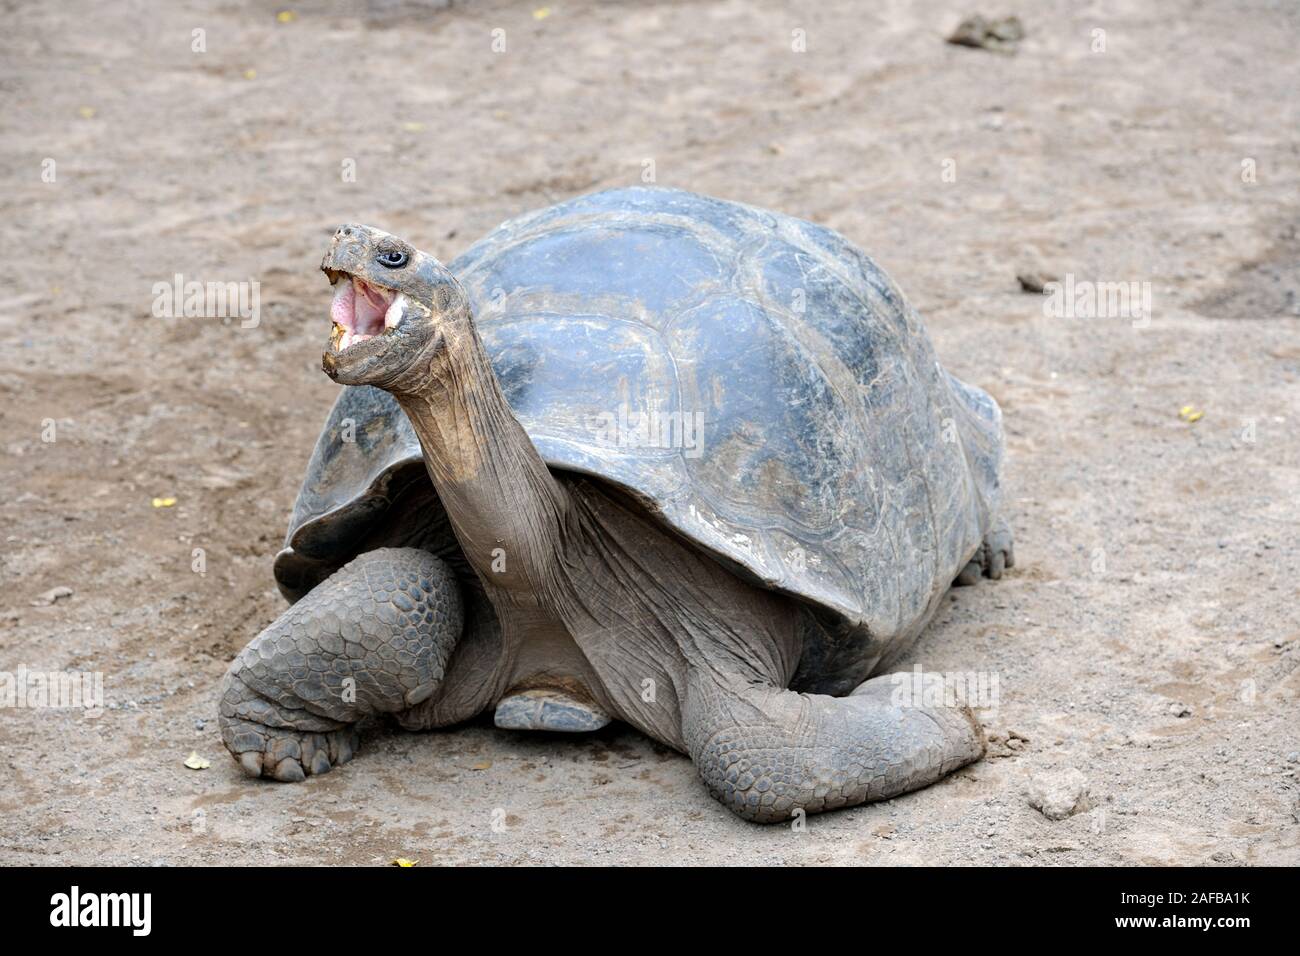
(421, 694)
(997, 562)
(289, 770)
(969, 575)
(251, 762)
(313, 747)
(991, 559)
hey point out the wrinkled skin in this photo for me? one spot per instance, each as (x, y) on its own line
(593, 599)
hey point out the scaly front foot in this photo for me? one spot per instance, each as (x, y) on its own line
(374, 638)
(270, 741)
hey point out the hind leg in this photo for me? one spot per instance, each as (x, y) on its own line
(765, 752)
(995, 554)
(375, 637)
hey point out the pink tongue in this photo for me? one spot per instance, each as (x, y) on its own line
(343, 308)
(370, 309)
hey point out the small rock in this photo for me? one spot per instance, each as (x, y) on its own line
(1059, 795)
(52, 595)
(999, 35)
(1179, 709)
(1034, 280)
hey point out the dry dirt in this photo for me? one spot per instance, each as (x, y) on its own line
(1149, 638)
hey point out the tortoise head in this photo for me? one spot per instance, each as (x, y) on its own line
(393, 309)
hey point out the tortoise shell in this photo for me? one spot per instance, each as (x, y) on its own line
(754, 381)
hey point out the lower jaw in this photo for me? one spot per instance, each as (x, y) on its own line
(350, 338)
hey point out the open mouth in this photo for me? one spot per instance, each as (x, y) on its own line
(361, 310)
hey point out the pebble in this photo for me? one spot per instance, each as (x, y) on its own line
(52, 595)
(1033, 280)
(999, 34)
(1059, 795)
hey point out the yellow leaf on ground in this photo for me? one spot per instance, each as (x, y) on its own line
(1195, 416)
(403, 861)
(164, 502)
(481, 765)
(286, 16)
(250, 74)
(86, 112)
(195, 762)
(412, 127)
(541, 13)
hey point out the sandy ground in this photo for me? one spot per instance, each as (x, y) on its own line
(1149, 638)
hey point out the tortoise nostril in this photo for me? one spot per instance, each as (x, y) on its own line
(347, 230)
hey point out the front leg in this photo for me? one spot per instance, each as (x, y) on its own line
(765, 752)
(373, 638)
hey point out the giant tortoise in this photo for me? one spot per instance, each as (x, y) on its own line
(642, 456)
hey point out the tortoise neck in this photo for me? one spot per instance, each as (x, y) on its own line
(504, 504)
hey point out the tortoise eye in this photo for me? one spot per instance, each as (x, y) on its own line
(392, 259)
